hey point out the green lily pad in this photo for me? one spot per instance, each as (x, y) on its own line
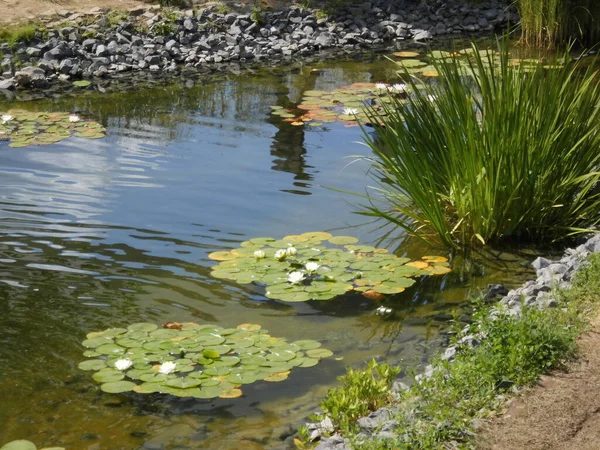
(19, 445)
(117, 387)
(92, 364)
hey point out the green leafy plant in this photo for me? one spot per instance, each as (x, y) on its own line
(192, 360)
(298, 268)
(163, 28)
(362, 391)
(493, 150)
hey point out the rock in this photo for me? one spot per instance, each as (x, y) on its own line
(540, 263)
(335, 442)
(7, 85)
(374, 420)
(31, 77)
(496, 289)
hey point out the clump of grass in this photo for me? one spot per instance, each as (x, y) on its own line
(23, 32)
(506, 152)
(548, 22)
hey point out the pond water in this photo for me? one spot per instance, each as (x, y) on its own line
(103, 233)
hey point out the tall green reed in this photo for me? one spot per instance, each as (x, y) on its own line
(545, 23)
(504, 152)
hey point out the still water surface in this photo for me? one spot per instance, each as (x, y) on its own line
(104, 233)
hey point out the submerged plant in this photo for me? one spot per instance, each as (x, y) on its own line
(492, 150)
(192, 360)
(24, 128)
(319, 266)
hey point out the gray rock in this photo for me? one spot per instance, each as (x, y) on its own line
(540, 263)
(335, 442)
(374, 420)
(7, 84)
(31, 77)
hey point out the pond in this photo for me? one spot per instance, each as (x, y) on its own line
(104, 233)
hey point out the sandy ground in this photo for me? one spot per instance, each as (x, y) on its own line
(15, 10)
(561, 413)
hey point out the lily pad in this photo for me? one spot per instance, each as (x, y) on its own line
(215, 360)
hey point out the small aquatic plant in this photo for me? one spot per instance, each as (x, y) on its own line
(319, 266)
(23, 128)
(193, 360)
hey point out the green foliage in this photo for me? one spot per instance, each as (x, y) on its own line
(298, 268)
(256, 15)
(146, 359)
(491, 151)
(362, 391)
(24, 32)
(548, 22)
(116, 16)
(163, 28)
(514, 351)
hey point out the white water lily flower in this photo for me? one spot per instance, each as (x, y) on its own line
(280, 254)
(291, 251)
(295, 277)
(6, 118)
(167, 367)
(380, 86)
(312, 266)
(123, 364)
(383, 310)
(74, 118)
(399, 88)
(350, 111)
(259, 254)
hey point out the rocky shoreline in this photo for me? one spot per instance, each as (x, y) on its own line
(104, 44)
(538, 293)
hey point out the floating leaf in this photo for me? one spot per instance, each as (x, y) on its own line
(116, 387)
(81, 83)
(406, 54)
(19, 445)
(343, 240)
(319, 353)
(216, 360)
(233, 393)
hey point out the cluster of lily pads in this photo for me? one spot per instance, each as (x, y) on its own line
(193, 360)
(23, 444)
(320, 266)
(424, 65)
(23, 128)
(344, 104)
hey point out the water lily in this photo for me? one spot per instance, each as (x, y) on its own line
(350, 111)
(280, 254)
(74, 118)
(123, 364)
(311, 266)
(296, 277)
(291, 251)
(167, 367)
(380, 85)
(399, 88)
(6, 118)
(259, 254)
(383, 310)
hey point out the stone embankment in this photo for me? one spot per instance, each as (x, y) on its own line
(153, 40)
(538, 293)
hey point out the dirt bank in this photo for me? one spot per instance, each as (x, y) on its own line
(561, 413)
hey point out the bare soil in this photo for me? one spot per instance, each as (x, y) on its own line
(561, 413)
(18, 10)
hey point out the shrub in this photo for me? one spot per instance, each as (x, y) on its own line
(505, 152)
